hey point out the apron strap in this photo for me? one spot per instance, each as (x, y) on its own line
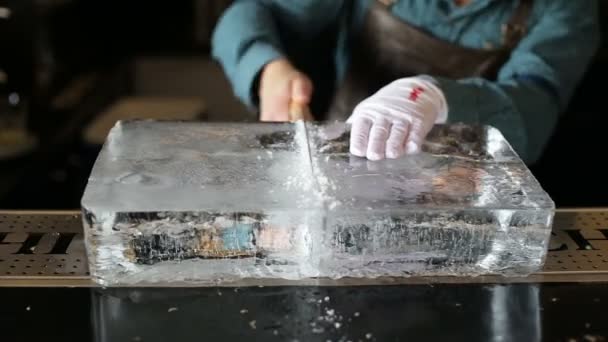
(513, 31)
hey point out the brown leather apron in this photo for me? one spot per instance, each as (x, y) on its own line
(387, 48)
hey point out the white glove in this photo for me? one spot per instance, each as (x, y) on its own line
(396, 119)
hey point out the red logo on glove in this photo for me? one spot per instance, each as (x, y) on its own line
(415, 93)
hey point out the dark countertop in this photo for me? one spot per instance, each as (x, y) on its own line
(521, 312)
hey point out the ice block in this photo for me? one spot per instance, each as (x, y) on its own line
(200, 203)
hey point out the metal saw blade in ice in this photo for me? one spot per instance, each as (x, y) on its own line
(198, 203)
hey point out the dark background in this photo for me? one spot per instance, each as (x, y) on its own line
(99, 52)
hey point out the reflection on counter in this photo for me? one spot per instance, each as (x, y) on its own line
(455, 313)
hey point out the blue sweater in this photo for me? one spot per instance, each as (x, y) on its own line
(532, 90)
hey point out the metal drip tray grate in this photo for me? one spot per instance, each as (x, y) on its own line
(49, 247)
(579, 242)
(42, 245)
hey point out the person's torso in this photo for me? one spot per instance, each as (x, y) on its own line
(476, 25)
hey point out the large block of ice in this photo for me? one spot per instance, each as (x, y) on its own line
(198, 203)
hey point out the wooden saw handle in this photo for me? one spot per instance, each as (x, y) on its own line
(299, 112)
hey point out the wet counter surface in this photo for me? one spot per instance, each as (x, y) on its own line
(47, 295)
(473, 312)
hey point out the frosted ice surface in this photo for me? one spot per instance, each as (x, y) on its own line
(147, 166)
(200, 202)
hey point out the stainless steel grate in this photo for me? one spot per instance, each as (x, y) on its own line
(42, 245)
(49, 246)
(580, 242)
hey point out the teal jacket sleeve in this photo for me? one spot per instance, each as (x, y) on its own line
(535, 86)
(251, 33)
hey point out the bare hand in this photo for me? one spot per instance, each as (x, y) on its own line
(280, 85)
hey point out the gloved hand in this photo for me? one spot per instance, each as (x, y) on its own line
(397, 118)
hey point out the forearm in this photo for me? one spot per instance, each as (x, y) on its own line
(245, 40)
(524, 112)
(251, 34)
